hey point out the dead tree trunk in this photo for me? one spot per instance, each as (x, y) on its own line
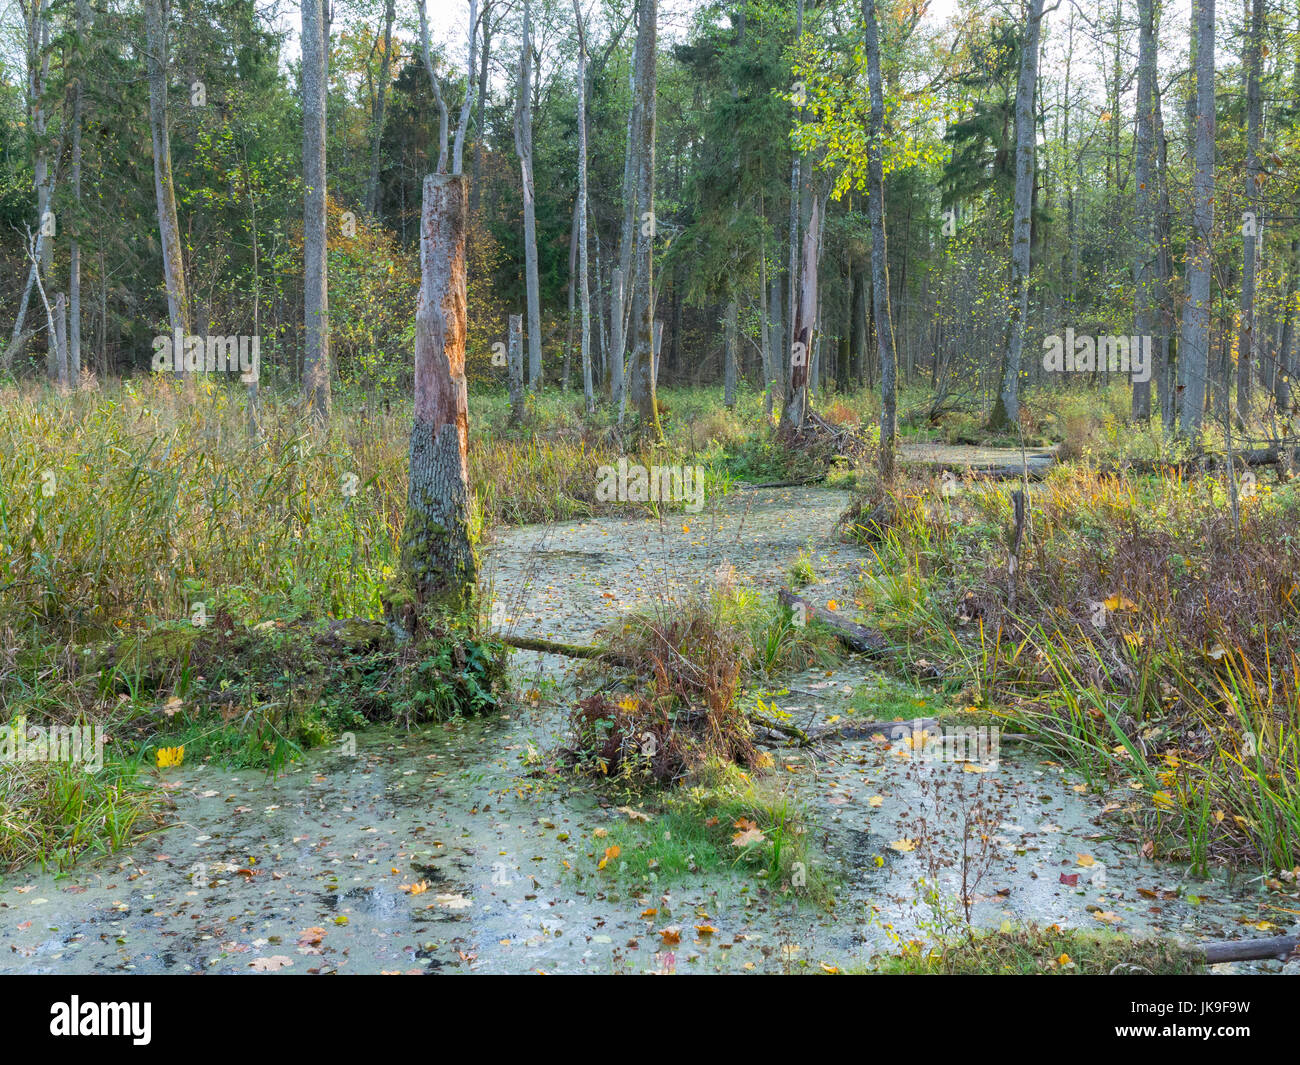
(438, 556)
(316, 348)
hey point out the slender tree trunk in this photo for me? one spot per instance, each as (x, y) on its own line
(641, 384)
(524, 149)
(36, 44)
(617, 295)
(1144, 220)
(792, 271)
(377, 113)
(436, 85)
(621, 287)
(1007, 408)
(584, 285)
(316, 332)
(795, 411)
(1251, 242)
(880, 247)
(1194, 347)
(1286, 361)
(467, 105)
(572, 288)
(480, 103)
(1164, 355)
(169, 231)
(61, 338)
(438, 556)
(729, 358)
(74, 245)
(765, 328)
(515, 369)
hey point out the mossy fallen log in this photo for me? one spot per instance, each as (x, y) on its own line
(855, 637)
(1277, 948)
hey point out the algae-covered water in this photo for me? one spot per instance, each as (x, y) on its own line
(452, 849)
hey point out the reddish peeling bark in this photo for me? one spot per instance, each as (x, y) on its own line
(438, 555)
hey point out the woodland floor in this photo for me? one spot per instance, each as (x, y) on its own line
(312, 871)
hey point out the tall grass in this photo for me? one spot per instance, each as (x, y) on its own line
(1152, 643)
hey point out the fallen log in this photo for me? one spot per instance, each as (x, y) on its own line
(855, 637)
(565, 650)
(860, 730)
(1278, 948)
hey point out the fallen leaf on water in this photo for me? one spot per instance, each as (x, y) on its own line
(904, 845)
(271, 964)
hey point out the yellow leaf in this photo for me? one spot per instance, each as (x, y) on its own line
(170, 756)
(904, 845)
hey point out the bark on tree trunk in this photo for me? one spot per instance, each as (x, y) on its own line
(438, 100)
(584, 280)
(1286, 360)
(1144, 248)
(61, 337)
(169, 233)
(1251, 226)
(729, 357)
(796, 406)
(641, 384)
(515, 369)
(621, 284)
(316, 331)
(524, 149)
(377, 114)
(1007, 408)
(880, 247)
(1194, 346)
(438, 556)
(480, 103)
(467, 105)
(74, 245)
